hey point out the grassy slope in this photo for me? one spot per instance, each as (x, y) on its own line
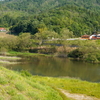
(23, 86)
(72, 85)
(13, 86)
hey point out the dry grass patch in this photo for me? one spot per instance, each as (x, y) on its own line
(4, 34)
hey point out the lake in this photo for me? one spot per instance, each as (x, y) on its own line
(58, 67)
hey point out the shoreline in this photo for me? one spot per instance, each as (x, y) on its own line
(9, 59)
(65, 87)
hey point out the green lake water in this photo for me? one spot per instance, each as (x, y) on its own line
(58, 67)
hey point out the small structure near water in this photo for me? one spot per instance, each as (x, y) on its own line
(2, 30)
(85, 36)
(91, 37)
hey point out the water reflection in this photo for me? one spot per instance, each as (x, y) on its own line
(59, 67)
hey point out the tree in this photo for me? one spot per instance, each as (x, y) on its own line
(65, 33)
(46, 35)
(24, 42)
(19, 27)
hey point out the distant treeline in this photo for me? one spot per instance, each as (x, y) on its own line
(74, 16)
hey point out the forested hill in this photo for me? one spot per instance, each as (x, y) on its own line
(60, 16)
(41, 5)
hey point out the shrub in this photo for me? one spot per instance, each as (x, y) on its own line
(75, 54)
(91, 58)
(2, 98)
(3, 80)
(11, 91)
(18, 97)
(20, 87)
(25, 73)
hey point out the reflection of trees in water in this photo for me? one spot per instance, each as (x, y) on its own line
(51, 66)
(54, 66)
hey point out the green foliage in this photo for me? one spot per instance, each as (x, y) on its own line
(20, 87)
(50, 19)
(36, 6)
(23, 42)
(33, 95)
(8, 43)
(46, 35)
(43, 88)
(65, 33)
(25, 73)
(85, 50)
(72, 85)
(3, 80)
(91, 58)
(1, 98)
(18, 97)
(77, 16)
(11, 91)
(75, 54)
(63, 95)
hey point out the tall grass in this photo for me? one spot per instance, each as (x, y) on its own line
(72, 85)
(15, 86)
(20, 86)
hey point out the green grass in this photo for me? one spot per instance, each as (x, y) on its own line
(72, 85)
(13, 53)
(62, 95)
(3, 80)
(18, 97)
(24, 86)
(15, 86)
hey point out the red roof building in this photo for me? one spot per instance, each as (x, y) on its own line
(85, 36)
(2, 29)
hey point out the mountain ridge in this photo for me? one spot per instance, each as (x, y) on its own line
(42, 5)
(80, 17)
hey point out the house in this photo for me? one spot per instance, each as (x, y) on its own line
(85, 36)
(98, 36)
(2, 29)
(93, 37)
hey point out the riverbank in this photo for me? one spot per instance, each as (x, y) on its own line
(13, 57)
(74, 54)
(16, 86)
(9, 59)
(87, 51)
(24, 86)
(14, 53)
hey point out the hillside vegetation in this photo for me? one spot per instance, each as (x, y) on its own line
(35, 6)
(61, 16)
(32, 23)
(69, 19)
(85, 50)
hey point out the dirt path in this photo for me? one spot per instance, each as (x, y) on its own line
(77, 96)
